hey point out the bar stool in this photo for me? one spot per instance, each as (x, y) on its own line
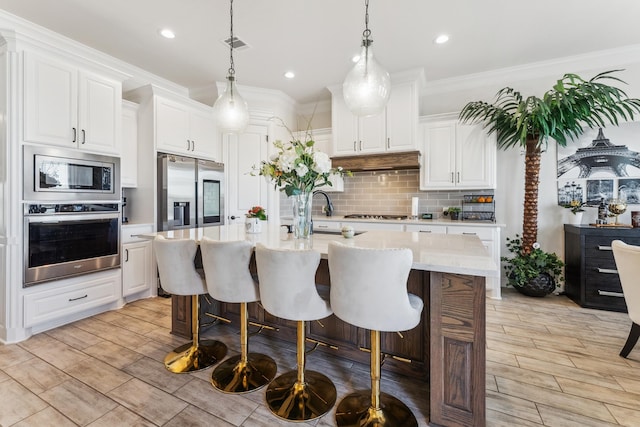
(369, 290)
(288, 290)
(178, 276)
(226, 269)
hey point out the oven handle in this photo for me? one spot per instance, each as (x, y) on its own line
(53, 219)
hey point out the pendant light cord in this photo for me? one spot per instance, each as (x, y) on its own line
(367, 32)
(232, 70)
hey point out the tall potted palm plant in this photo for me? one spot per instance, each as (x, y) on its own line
(561, 114)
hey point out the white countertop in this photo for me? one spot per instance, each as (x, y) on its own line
(462, 254)
(440, 221)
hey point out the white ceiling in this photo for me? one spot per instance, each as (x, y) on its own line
(317, 38)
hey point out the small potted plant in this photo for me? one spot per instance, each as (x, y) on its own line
(254, 216)
(454, 213)
(577, 209)
(536, 273)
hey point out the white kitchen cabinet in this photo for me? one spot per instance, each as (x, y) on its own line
(137, 263)
(457, 156)
(71, 107)
(185, 129)
(394, 129)
(129, 158)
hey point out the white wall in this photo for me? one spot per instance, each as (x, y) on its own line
(451, 95)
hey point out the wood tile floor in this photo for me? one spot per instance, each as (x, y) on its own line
(549, 362)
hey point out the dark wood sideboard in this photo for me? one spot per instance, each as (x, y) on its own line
(591, 278)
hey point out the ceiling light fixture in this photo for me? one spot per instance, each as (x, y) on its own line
(367, 87)
(289, 74)
(230, 109)
(441, 39)
(167, 33)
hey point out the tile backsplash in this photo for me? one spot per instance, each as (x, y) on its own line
(387, 192)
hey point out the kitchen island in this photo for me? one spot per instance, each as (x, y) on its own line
(447, 349)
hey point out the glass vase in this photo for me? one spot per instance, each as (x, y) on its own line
(302, 215)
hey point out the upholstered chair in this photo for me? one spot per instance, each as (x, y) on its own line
(178, 276)
(288, 290)
(627, 259)
(226, 268)
(369, 290)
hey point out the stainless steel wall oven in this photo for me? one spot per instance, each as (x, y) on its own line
(64, 240)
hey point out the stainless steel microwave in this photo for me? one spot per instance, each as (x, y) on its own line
(58, 174)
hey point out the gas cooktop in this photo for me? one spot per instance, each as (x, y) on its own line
(375, 216)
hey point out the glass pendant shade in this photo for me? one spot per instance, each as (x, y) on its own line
(230, 110)
(367, 87)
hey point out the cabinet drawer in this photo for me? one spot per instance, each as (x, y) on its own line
(600, 246)
(82, 293)
(484, 233)
(129, 233)
(603, 296)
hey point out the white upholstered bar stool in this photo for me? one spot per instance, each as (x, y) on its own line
(627, 259)
(226, 269)
(369, 290)
(178, 276)
(288, 290)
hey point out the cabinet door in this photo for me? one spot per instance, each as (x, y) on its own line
(204, 136)
(402, 118)
(136, 267)
(50, 101)
(371, 134)
(129, 159)
(172, 127)
(99, 113)
(244, 151)
(345, 127)
(475, 158)
(439, 155)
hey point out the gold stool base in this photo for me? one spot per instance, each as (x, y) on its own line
(355, 410)
(293, 401)
(189, 358)
(234, 376)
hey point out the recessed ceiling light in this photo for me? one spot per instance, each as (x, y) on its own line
(289, 74)
(167, 33)
(442, 38)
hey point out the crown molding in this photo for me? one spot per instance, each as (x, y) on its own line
(603, 59)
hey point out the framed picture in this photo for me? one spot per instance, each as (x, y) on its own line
(598, 189)
(602, 153)
(629, 189)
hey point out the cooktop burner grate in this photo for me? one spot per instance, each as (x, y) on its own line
(375, 216)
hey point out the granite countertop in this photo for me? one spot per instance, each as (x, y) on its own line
(461, 254)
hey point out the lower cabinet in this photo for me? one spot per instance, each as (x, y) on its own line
(55, 301)
(136, 267)
(591, 277)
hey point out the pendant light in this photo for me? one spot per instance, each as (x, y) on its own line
(230, 109)
(367, 87)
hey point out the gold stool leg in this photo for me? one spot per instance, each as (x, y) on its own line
(301, 395)
(196, 355)
(371, 408)
(246, 371)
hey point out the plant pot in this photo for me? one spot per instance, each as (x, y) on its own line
(454, 215)
(538, 287)
(253, 225)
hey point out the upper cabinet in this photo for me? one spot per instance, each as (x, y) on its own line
(129, 159)
(394, 129)
(183, 128)
(72, 107)
(457, 156)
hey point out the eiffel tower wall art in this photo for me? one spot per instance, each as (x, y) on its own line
(601, 163)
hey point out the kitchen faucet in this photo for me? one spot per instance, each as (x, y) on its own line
(329, 208)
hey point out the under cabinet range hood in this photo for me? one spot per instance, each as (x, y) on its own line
(378, 162)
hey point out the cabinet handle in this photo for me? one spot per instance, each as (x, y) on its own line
(188, 145)
(354, 146)
(76, 299)
(360, 145)
(322, 226)
(469, 233)
(607, 270)
(193, 145)
(388, 142)
(75, 134)
(425, 231)
(452, 177)
(458, 175)
(126, 255)
(604, 248)
(84, 136)
(610, 294)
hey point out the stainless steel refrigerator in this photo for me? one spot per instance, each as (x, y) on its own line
(190, 192)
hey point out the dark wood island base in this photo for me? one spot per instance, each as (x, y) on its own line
(446, 350)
